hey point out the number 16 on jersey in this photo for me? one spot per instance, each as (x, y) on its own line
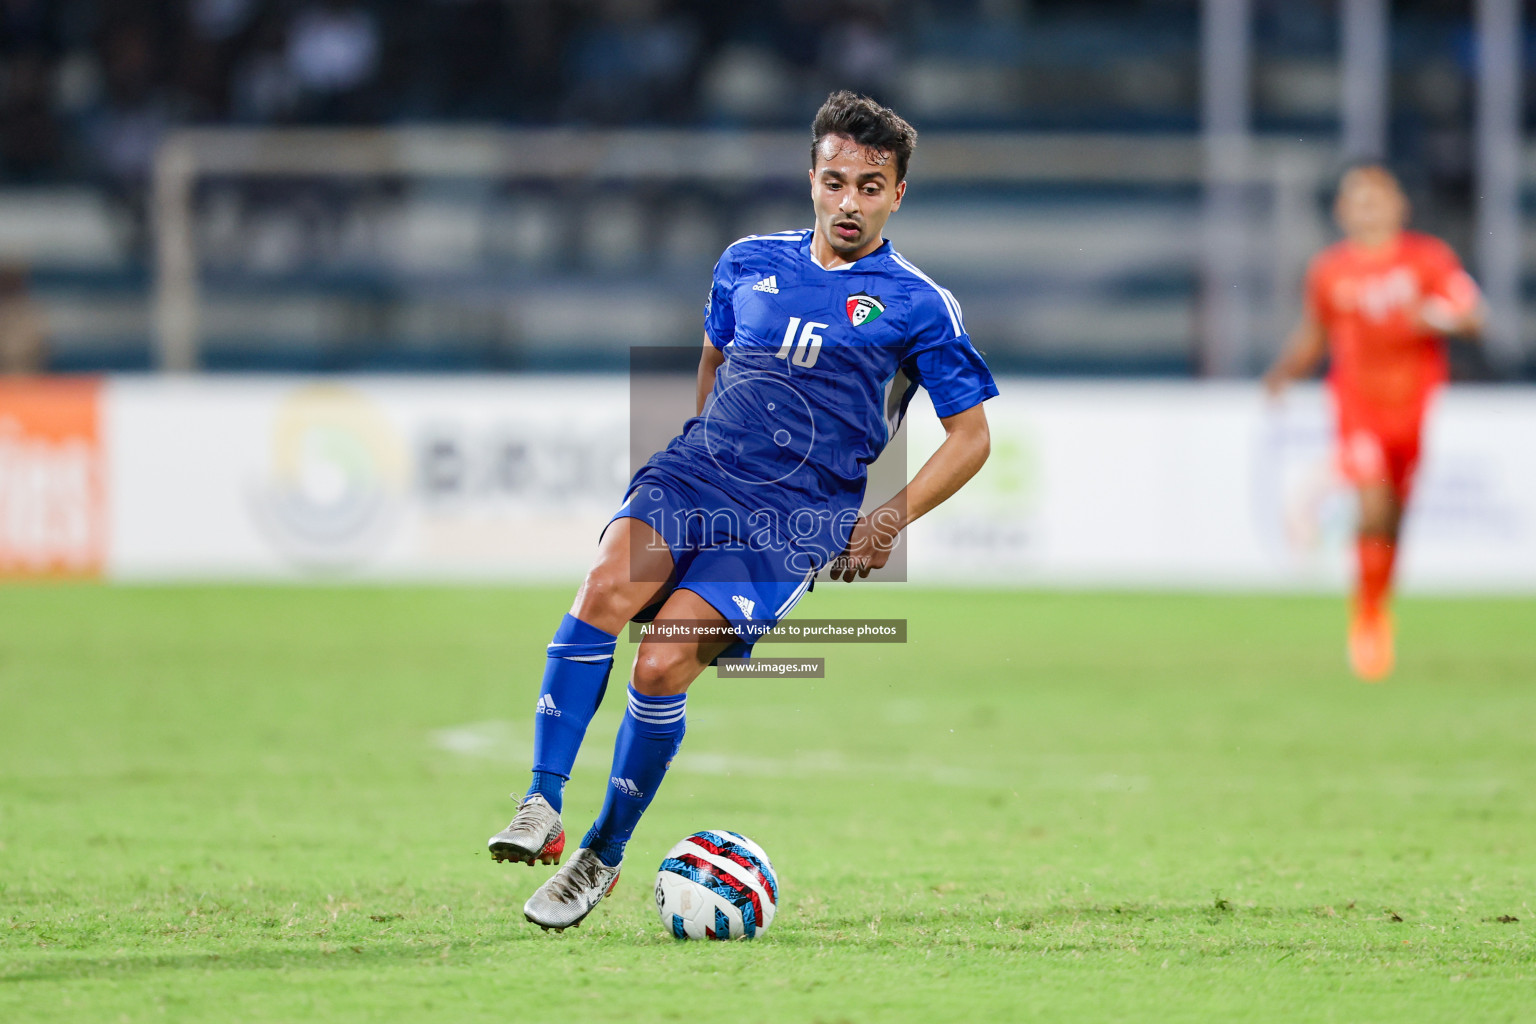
(807, 348)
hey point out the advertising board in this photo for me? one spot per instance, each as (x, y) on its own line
(374, 478)
(511, 478)
(1214, 486)
(53, 519)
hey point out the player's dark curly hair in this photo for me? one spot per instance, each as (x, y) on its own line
(867, 123)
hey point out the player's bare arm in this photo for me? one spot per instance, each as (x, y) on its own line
(1303, 352)
(967, 443)
(709, 362)
(1459, 316)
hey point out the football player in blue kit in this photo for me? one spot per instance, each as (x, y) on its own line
(814, 344)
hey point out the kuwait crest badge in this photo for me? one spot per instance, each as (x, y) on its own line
(863, 308)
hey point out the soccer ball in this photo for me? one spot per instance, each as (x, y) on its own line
(716, 885)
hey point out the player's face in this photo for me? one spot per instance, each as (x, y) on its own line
(855, 191)
(1370, 204)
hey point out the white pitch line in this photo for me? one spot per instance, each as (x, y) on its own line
(502, 741)
(494, 740)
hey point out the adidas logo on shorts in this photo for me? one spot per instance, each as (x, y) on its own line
(745, 605)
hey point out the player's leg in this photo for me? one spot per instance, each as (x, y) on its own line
(1372, 652)
(1383, 487)
(649, 737)
(656, 718)
(1381, 513)
(628, 574)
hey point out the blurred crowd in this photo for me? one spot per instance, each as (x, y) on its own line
(89, 86)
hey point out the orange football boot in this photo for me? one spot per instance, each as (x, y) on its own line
(1371, 654)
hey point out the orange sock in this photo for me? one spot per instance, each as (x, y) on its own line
(1375, 585)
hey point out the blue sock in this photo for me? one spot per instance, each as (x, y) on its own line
(648, 739)
(575, 677)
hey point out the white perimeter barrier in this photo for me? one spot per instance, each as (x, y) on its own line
(1154, 485)
(1214, 486)
(386, 478)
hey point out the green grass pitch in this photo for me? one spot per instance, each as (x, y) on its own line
(271, 804)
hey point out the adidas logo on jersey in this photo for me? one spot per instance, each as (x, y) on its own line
(546, 706)
(745, 605)
(769, 284)
(625, 786)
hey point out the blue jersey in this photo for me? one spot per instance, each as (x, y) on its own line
(819, 368)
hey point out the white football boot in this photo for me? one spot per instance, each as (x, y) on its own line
(572, 892)
(535, 834)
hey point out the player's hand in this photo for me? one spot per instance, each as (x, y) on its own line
(1275, 383)
(869, 547)
(1437, 315)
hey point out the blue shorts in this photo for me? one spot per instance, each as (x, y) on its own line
(721, 552)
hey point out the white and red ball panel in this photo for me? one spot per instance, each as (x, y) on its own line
(690, 911)
(716, 885)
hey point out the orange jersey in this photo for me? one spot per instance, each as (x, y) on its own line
(1386, 364)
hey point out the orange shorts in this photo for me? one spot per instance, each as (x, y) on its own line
(1379, 450)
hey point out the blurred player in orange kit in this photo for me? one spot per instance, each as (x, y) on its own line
(1379, 303)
